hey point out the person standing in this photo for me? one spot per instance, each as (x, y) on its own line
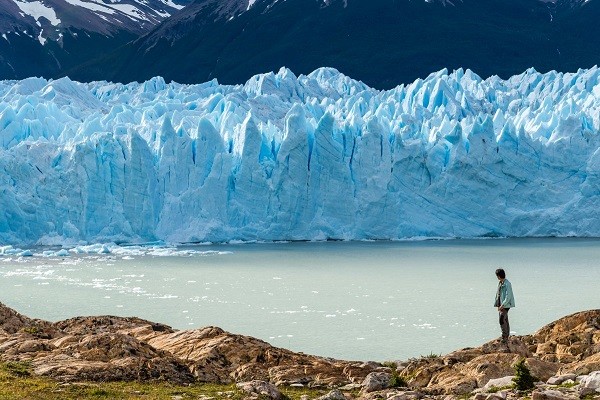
(505, 300)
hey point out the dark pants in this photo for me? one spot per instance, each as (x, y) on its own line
(504, 325)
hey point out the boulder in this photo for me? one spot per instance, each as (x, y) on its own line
(376, 381)
(452, 382)
(497, 396)
(557, 380)
(590, 384)
(398, 396)
(542, 370)
(335, 394)
(550, 395)
(490, 366)
(260, 388)
(504, 382)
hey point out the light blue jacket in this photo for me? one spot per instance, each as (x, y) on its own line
(507, 299)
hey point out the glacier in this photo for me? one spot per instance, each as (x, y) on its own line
(309, 157)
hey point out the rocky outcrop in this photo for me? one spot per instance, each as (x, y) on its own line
(87, 348)
(115, 348)
(568, 345)
(109, 348)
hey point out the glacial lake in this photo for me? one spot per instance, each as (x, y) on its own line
(352, 300)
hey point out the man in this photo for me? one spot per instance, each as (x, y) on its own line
(505, 300)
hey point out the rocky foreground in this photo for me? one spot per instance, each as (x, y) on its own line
(564, 356)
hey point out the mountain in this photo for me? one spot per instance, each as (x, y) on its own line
(287, 157)
(46, 37)
(381, 42)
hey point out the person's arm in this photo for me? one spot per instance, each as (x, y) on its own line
(507, 299)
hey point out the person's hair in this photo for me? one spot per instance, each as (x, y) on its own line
(500, 273)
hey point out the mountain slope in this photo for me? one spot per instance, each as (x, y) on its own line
(45, 37)
(382, 42)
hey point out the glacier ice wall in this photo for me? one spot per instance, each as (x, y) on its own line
(292, 158)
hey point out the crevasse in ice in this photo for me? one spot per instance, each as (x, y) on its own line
(300, 158)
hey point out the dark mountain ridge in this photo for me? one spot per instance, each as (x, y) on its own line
(381, 42)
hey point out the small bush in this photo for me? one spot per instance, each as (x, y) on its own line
(523, 379)
(100, 393)
(396, 380)
(19, 369)
(32, 330)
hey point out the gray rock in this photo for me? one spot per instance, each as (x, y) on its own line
(260, 388)
(496, 396)
(550, 395)
(398, 396)
(590, 384)
(351, 386)
(376, 381)
(557, 380)
(333, 395)
(498, 383)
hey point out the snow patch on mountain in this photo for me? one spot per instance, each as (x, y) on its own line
(45, 20)
(37, 10)
(173, 5)
(300, 158)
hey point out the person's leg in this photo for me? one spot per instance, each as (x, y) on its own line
(504, 325)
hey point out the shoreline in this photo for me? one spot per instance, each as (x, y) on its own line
(15, 249)
(110, 348)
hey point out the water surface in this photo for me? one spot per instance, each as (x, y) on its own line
(352, 300)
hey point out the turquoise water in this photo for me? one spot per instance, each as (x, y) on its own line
(352, 300)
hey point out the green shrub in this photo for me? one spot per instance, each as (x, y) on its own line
(100, 393)
(396, 380)
(523, 379)
(32, 330)
(20, 369)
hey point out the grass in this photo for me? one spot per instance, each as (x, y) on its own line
(17, 383)
(567, 385)
(496, 389)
